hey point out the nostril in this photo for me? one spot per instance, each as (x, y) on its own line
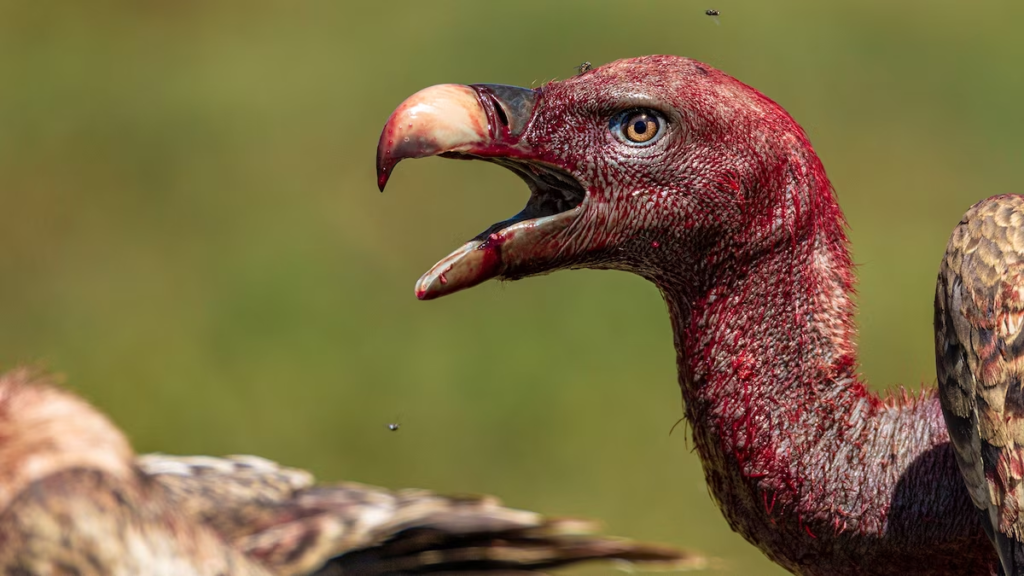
(499, 110)
(512, 106)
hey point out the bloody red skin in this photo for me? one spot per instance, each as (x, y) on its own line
(752, 259)
(805, 463)
(808, 465)
(732, 216)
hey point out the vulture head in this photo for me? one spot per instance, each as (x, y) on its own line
(660, 165)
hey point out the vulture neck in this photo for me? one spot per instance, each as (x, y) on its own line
(822, 475)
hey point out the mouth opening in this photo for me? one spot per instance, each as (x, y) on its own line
(552, 190)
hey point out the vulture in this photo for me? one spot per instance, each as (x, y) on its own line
(670, 169)
(75, 500)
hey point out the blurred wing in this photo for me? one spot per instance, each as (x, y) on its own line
(279, 516)
(979, 350)
(75, 500)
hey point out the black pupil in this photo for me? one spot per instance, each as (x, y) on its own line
(640, 126)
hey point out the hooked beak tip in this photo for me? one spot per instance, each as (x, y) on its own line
(453, 118)
(435, 120)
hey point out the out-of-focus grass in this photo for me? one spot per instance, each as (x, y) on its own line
(191, 230)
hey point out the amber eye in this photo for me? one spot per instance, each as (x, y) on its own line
(639, 127)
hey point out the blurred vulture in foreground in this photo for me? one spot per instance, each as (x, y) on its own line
(74, 499)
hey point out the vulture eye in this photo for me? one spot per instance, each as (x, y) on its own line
(638, 127)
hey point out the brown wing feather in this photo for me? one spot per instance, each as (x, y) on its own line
(979, 349)
(74, 500)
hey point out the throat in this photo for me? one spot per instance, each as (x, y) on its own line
(766, 358)
(804, 462)
(778, 325)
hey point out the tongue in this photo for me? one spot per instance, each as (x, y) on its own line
(473, 263)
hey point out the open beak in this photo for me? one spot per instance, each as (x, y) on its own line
(484, 121)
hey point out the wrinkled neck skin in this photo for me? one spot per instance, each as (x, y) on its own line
(807, 464)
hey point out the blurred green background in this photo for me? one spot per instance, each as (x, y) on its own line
(192, 234)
